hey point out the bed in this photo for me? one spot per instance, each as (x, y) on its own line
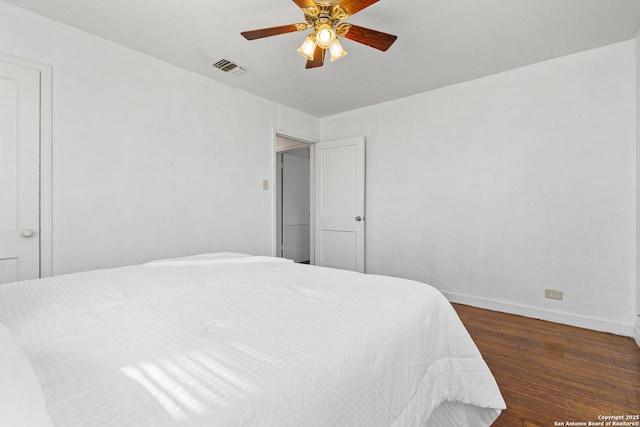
(229, 339)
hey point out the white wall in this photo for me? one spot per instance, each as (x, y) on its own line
(149, 160)
(495, 189)
(637, 325)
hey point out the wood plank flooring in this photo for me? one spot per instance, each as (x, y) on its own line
(551, 374)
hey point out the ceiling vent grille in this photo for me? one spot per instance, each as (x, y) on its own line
(230, 67)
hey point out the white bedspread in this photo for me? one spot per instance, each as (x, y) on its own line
(232, 340)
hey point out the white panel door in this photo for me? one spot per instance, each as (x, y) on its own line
(19, 172)
(339, 207)
(295, 207)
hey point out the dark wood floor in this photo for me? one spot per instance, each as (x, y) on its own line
(551, 373)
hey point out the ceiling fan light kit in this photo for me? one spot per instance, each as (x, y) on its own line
(324, 18)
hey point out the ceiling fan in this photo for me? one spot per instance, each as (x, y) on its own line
(324, 18)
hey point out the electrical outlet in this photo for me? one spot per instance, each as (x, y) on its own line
(552, 294)
(265, 184)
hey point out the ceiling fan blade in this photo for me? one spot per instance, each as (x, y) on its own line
(376, 39)
(318, 58)
(273, 31)
(303, 4)
(355, 6)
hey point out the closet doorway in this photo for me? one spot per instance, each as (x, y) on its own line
(293, 199)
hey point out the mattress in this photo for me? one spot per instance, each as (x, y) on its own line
(229, 339)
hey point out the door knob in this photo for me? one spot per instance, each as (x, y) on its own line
(27, 232)
(359, 218)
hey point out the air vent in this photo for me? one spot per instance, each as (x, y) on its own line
(229, 67)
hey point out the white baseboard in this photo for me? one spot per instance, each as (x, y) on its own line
(593, 323)
(636, 331)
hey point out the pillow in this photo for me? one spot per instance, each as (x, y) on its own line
(21, 399)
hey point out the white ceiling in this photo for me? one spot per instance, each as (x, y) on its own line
(440, 42)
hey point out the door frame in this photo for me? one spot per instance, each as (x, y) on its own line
(274, 203)
(46, 223)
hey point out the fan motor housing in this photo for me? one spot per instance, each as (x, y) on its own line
(325, 13)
